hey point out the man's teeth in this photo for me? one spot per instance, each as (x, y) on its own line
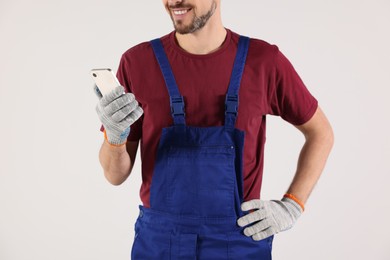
(180, 12)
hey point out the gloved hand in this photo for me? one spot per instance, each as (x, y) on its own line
(269, 217)
(117, 110)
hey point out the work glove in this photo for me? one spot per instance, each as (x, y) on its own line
(117, 111)
(269, 217)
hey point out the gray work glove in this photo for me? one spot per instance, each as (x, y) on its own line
(117, 111)
(269, 217)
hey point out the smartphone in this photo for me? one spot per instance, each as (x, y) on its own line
(105, 80)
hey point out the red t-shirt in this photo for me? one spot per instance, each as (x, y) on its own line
(269, 85)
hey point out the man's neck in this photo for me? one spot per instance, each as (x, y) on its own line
(203, 41)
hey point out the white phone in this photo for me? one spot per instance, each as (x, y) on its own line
(105, 80)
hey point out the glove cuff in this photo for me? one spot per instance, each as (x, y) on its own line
(292, 197)
(117, 142)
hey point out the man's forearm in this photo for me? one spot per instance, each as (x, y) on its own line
(116, 163)
(311, 163)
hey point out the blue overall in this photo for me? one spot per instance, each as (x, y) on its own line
(197, 185)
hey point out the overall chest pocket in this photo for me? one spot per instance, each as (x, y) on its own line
(201, 180)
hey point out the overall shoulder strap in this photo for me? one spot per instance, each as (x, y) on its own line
(231, 102)
(176, 99)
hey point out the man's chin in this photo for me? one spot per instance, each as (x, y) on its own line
(183, 29)
(182, 32)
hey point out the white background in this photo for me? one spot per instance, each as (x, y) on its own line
(54, 200)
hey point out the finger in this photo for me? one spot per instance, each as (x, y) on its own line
(138, 111)
(97, 92)
(133, 105)
(264, 234)
(124, 111)
(111, 96)
(133, 116)
(121, 113)
(136, 114)
(251, 217)
(120, 103)
(252, 204)
(256, 228)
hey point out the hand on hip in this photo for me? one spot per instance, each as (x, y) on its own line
(268, 217)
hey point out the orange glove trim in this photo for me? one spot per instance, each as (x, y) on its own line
(290, 196)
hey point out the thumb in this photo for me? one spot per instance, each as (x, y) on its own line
(97, 92)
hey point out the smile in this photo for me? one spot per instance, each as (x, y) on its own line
(181, 12)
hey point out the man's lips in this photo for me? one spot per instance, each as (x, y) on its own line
(180, 11)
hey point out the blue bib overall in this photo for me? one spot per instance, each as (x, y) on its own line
(197, 185)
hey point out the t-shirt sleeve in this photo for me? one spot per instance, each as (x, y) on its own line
(123, 75)
(288, 96)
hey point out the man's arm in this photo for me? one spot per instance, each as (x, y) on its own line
(117, 111)
(319, 141)
(270, 217)
(117, 161)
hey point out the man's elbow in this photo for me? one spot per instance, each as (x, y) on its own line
(318, 129)
(115, 179)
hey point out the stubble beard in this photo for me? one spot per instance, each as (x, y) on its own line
(198, 22)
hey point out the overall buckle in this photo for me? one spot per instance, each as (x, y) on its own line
(177, 106)
(231, 104)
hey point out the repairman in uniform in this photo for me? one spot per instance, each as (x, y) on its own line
(197, 99)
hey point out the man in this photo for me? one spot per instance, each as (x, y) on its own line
(204, 92)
